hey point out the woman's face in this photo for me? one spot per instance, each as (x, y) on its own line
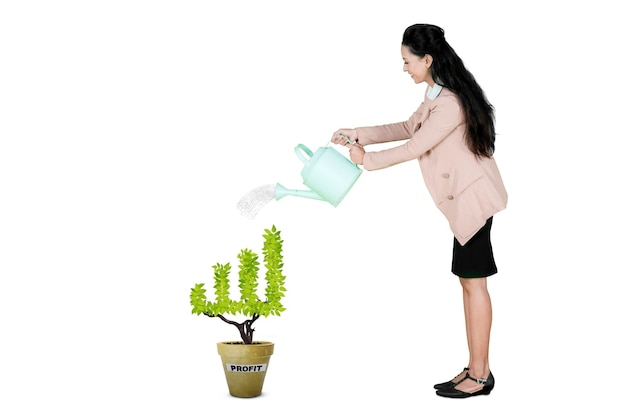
(418, 68)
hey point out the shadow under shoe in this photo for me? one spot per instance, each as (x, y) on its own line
(451, 383)
(487, 385)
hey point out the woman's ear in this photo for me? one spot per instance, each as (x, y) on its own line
(428, 60)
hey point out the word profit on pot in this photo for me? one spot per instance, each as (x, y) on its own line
(246, 368)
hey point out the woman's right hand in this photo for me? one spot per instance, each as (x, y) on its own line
(344, 137)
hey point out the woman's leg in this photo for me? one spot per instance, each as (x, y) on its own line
(477, 307)
(467, 323)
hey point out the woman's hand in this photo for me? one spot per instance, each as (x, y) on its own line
(357, 153)
(349, 137)
(344, 137)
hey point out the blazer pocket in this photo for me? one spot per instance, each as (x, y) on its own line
(465, 209)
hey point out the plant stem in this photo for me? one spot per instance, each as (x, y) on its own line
(245, 328)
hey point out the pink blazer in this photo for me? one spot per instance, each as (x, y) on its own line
(468, 190)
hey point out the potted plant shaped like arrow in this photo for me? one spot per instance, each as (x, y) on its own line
(245, 362)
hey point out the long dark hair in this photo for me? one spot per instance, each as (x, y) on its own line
(449, 71)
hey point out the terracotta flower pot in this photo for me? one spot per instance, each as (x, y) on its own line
(245, 366)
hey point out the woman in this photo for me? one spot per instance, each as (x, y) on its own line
(452, 135)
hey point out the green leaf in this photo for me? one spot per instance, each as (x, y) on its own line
(198, 299)
(249, 303)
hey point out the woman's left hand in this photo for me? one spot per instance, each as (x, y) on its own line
(356, 153)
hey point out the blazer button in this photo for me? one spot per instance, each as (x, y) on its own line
(445, 175)
(450, 197)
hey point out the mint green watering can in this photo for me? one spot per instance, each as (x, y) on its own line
(327, 173)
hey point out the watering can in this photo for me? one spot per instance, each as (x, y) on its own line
(327, 173)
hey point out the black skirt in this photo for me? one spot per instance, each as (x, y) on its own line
(475, 258)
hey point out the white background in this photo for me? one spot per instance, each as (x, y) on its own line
(130, 129)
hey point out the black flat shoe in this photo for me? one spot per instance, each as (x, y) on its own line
(487, 383)
(450, 383)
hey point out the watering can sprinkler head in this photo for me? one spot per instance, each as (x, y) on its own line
(281, 192)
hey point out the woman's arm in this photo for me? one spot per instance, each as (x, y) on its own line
(390, 132)
(444, 117)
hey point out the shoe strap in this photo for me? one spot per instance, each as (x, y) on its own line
(482, 381)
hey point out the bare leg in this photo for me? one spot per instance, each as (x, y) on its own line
(467, 324)
(477, 307)
(461, 375)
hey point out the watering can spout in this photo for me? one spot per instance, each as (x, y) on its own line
(281, 192)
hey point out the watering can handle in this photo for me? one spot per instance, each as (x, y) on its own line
(298, 149)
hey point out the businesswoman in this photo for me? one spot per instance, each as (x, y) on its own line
(452, 136)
